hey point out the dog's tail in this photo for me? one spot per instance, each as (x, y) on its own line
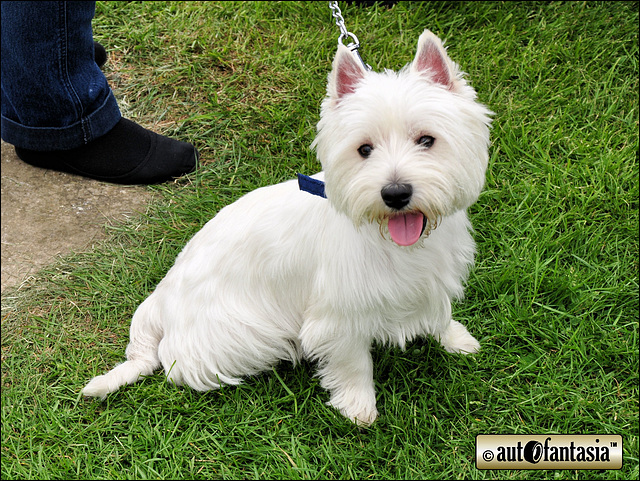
(142, 355)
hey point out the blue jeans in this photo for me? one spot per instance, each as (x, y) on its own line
(54, 95)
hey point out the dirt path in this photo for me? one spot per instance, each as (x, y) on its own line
(47, 213)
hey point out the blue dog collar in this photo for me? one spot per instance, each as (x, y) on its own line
(311, 185)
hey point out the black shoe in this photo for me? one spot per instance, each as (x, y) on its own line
(127, 154)
(100, 54)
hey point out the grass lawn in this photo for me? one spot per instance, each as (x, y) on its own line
(553, 298)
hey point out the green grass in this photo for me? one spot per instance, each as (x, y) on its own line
(553, 298)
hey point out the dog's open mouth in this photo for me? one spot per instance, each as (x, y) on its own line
(406, 228)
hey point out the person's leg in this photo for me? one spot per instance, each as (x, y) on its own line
(54, 96)
(57, 108)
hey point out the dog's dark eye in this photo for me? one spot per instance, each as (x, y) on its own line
(365, 150)
(426, 141)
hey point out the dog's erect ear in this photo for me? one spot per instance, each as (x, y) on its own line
(432, 59)
(346, 73)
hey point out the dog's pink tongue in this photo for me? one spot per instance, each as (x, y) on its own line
(406, 229)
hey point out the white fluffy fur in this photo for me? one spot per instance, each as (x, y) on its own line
(282, 274)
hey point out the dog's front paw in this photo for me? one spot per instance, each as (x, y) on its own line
(358, 405)
(457, 339)
(360, 415)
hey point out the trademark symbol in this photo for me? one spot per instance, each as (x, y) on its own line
(614, 444)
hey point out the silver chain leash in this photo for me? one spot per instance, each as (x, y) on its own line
(344, 33)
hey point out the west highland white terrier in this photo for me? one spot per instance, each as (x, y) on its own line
(282, 274)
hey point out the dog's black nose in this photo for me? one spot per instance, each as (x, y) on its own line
(397, 196)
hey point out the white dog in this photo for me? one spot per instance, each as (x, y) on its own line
(282, 274)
